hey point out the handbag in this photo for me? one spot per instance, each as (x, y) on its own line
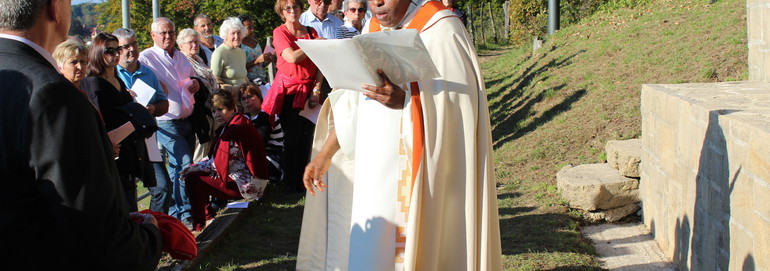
(144, 123)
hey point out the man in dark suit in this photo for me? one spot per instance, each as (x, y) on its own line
(61, 206)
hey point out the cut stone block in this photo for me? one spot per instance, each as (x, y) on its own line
(611, 215)
(596, 186)
(624, 155)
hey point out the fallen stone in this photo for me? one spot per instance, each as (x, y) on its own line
(596, 186)
(624, 156)
(611, 215)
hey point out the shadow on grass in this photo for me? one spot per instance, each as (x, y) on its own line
(544, 233)
(508, 195)
(512, 104)
(266, 240)
(510, 127)
(576, 268)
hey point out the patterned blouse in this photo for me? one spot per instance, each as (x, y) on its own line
(250, 186)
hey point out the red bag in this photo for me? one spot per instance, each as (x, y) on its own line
(178, 241)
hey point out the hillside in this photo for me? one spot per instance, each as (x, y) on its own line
(561, 104)
(554, 107)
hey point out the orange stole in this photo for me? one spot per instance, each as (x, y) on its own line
(422, 17)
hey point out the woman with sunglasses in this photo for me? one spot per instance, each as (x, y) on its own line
(297, 84)
(108, 93)
(355, 10)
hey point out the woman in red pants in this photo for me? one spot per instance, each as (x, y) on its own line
(236, 167)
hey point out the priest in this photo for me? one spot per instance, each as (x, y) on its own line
(402, 176)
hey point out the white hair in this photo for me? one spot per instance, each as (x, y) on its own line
(159, 21)
(187, 32)
(345, 4)
(231, 23)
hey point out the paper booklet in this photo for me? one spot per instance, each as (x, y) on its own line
(143, 91)
(348, 63)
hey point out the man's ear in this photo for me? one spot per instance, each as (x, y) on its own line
(53, 11)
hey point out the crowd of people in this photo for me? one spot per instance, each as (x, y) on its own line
(187, 70)
(196, 118)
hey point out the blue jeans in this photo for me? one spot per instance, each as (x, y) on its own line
(160, 195)
(177, 141)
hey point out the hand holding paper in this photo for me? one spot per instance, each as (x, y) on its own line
(348, 63)
(389, 95)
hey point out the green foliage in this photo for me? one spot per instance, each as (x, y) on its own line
(84, 17)
(182, 13)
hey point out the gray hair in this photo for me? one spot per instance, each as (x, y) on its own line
(161, 20)
(68, 49)
(124, 33)
(201, 16)
(345, 4)
(231, 23)
(18, 15)
(187, 32)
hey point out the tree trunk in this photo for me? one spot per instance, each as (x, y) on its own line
(492, 20)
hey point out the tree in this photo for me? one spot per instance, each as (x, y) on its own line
(182, 13)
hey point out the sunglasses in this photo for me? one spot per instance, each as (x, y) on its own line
(113, 51)
(126, 46)
(290, 8)
(360, 10)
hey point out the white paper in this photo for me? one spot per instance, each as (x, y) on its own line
(265, 89)
(310, 114)
(349, 63)
(152, 148)
(238, 205)
(143, 91)
(269, 50)
(118, 134)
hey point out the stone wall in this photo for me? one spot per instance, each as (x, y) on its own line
(758, 17)
(705, 173)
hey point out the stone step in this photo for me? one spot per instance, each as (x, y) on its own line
(624, 156)
(596, 187)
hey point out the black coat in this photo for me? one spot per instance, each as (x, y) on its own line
(62, 205)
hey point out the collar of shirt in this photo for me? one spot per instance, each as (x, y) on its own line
(414, 6)
(38, 49)
(162, 52)
(137, 72)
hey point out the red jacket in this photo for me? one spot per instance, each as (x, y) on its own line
(246, 136)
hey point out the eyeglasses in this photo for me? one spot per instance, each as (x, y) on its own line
(318, 2)
(192, 42)
(113, 51)
(126, 46)
(360, 10)
(290, 8)
(170, 33)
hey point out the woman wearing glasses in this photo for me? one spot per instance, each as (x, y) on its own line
(355, 10)
(297, 83)
(108, 93)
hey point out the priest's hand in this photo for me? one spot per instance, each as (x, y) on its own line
(314, 172)
(389, 95)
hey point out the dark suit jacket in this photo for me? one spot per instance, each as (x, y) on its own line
(61, 205)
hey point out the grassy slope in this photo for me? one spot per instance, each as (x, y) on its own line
(560, 106)
(553, 108)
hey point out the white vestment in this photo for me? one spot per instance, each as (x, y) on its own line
(452, 221)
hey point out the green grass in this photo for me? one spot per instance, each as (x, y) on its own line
(555, 107)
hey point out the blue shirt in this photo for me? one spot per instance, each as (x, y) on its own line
(149, 78)
(326, 29)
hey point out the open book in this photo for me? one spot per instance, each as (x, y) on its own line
(348, 63)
